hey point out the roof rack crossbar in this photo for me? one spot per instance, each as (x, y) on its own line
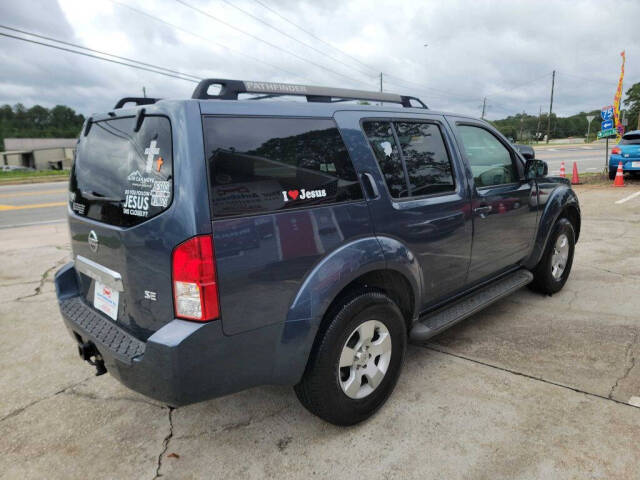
(230, 89)
(137, 100)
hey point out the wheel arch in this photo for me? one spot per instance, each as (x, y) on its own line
(563, 201)
(357, 266)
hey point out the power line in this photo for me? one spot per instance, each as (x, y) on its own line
(525, 83)
(299, 57)
(97, 57)
(208, 40)
(44, 37)
(264, 22)
(313, 35)
(352, 57)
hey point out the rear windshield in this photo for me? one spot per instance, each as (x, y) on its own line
(633, 139)
(122, 177)
(259, 165)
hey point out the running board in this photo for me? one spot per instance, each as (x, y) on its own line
(449, 315)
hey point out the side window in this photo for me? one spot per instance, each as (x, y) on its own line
(489, 159)
(422, 154)
(380, 135)
(426, 158)
(267, 164)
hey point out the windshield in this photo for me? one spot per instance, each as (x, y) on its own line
(122, 177)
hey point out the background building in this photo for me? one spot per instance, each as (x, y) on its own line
(39, 153)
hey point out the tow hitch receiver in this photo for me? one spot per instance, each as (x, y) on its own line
(89, 350)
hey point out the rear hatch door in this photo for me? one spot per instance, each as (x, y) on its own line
(120, 197)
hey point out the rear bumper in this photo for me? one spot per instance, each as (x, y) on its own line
(183, 362)
(627, 163)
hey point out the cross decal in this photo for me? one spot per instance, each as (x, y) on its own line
(151, 151)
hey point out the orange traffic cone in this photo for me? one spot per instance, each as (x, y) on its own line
(562, 172)
(575, 179)
(619, 181)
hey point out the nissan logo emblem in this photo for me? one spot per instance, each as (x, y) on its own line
(93, 241)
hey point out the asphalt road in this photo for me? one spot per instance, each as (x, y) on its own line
(32, 204)
(589, 158)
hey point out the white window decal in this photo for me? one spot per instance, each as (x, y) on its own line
(303, 194)
(151, 151)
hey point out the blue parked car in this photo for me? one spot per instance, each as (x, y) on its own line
(220, 244)
(627, 152)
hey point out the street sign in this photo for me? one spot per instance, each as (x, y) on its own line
(607, 112)
(606, 125)
(607, 133)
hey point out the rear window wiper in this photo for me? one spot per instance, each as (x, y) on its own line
(98, 197)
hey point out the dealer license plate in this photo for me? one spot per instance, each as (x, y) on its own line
(106, 299)
(635, 164)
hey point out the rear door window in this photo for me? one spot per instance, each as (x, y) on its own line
(261, 165)
(122, 177)
(412, 157)
(385, 148)
(426, 158)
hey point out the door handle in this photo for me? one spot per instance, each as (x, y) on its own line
(370, 185)
(483, 211)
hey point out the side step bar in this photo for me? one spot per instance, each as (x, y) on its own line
(449, 315)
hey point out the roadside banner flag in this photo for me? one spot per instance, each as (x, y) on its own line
(616, 103)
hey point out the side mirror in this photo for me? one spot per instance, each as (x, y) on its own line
(535, 169)
(526, 151)
(528, 154)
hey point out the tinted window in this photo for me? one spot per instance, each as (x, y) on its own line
(268, 164)
(489, 159)
(633, 139)
(380, 135)
(122, 177)
(425, 157)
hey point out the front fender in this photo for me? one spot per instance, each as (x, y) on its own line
(561, 197)
(320, 287)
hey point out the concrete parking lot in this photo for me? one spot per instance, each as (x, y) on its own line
(533, 387)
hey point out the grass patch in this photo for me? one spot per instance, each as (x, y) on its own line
(33, 176)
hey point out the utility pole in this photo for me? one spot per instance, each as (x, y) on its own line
(144, 92)
(538, 127)
(380, 85)
(521, 126)
(484, 107)
(553, 82)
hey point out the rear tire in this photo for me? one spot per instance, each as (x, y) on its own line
(356, 360)
(612, 173)
(552, 272)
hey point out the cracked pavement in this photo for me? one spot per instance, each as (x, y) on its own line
(532, 387)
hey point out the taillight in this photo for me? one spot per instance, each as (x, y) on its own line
(615, 151)
(195, 292)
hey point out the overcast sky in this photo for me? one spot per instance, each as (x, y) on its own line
(505, 51)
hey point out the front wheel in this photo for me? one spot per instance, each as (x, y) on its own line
(552, 272)
(356, 361)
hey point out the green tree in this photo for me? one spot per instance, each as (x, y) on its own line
(632, 102)
(38, 122)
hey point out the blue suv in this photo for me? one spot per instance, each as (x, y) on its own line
(221, 243)
(626, 152)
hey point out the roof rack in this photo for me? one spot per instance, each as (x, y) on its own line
(137, 100)
(229, 90)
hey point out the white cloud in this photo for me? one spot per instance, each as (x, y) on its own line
(502, 50)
